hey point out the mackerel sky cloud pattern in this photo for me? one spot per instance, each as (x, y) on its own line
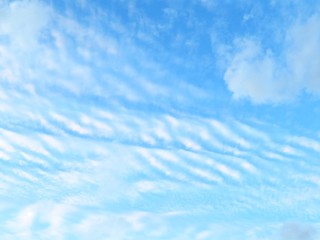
(159, 120)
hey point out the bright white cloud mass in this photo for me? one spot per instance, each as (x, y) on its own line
(159, 120)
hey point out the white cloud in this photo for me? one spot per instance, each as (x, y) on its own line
(205, 174)
(305, 142)
(34, 159)
(273, 155)
(76, 172)
(210, 5)
(73, 126)
(263, 75)
(253, 74)
(49, 214)
(247, 166)
(53, 142)
(25, 175)
(290, 150)
(122, 226)
(190, 144)
(101, 127)
(22, 224)
(4, 156)
(146, 186)
(227, 171)
(204, 235)
(22, 22)
(303, 57)
(160, 130)
(6, 146)
(227, 133)
(155, 162)
(22, 141)
(168, 156)
(252, 132)
(296, 231)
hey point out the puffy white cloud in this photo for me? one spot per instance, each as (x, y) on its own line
(253, 74)
(22, 22)
(264, 75)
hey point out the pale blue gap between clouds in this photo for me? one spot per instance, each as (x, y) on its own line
(102, 137)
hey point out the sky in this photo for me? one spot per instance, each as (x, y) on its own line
(160, 119)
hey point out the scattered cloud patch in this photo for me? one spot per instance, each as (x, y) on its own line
(264, 75)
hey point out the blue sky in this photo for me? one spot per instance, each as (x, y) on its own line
(158, 119)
